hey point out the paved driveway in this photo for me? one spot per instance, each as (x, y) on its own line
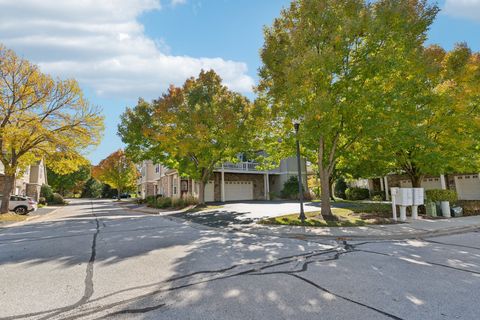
(247, 212)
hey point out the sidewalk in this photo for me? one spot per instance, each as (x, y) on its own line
(410, 229)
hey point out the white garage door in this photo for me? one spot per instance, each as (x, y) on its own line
(209, 192)
(468, 187)
(238, 190)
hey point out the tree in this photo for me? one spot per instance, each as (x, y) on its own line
(117, 171)
(41, 118)
(331, 63)
(434, 125)
(191, 128)
(440, 133)
(92, 189)
(70, 182)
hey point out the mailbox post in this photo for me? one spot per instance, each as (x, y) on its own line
(394, 192)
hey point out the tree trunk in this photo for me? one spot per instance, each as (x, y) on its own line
(201, 192)
(118, 194)
(7, 191)
(330, 188)
(325, 182)
(416, 181)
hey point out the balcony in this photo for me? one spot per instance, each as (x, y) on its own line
(242, 167)
(239, 166)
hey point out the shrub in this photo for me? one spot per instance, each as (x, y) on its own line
(46, 192)
(92, 189)
(42, 201)
(290, 188)
(57, 199)
(436, 195)
(357, 193)
(178, 203)
(378, 196)
(164, 202)
(340, 188)
(108, 192)
(190, 201)
(317, 192)
(150, 200)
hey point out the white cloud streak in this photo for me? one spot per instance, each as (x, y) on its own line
(102, 44)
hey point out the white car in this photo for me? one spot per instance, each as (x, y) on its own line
(21, 204)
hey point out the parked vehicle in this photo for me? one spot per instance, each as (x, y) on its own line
(123, 196)
(21, 205)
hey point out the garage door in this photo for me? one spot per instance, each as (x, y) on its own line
(468, 187)
(209, 192)
(238, 190)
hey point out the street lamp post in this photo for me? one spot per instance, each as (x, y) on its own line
(302, 217)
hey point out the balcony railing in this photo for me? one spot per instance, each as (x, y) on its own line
(239, 166)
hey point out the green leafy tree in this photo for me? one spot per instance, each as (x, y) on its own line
(434, 124)
(117, 171)
(92, 189)
(70, 182)
(191, 128)
(41, 118)
(332, 63)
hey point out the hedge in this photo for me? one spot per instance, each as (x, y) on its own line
(357, 193)
(436, 195)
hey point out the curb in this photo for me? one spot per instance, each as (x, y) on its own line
(159, 212)
(401, 236)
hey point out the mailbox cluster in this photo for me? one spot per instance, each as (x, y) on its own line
(406, 197)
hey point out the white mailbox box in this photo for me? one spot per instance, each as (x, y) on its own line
(404, 197)
(417, 201)
(418, 196)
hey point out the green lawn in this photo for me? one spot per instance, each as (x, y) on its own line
(357, 214)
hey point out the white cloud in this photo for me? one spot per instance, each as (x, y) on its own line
(102, 44)
(463, 9)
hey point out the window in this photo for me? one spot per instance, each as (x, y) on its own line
(157, 168)
(174, 186)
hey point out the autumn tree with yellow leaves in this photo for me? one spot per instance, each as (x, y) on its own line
(41, 117)
(117, 171)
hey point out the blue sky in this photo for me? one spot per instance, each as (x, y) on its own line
(124, 49)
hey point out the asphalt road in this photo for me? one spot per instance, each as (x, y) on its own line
(94, 260)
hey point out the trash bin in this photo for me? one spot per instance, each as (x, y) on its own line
(431, 209)
(456, 211)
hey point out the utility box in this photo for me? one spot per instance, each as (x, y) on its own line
(404, 197)
(418, 196)
(431, 209)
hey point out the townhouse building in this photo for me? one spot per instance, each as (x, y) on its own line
(30, 183)
(467, 185)
(239, 181)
